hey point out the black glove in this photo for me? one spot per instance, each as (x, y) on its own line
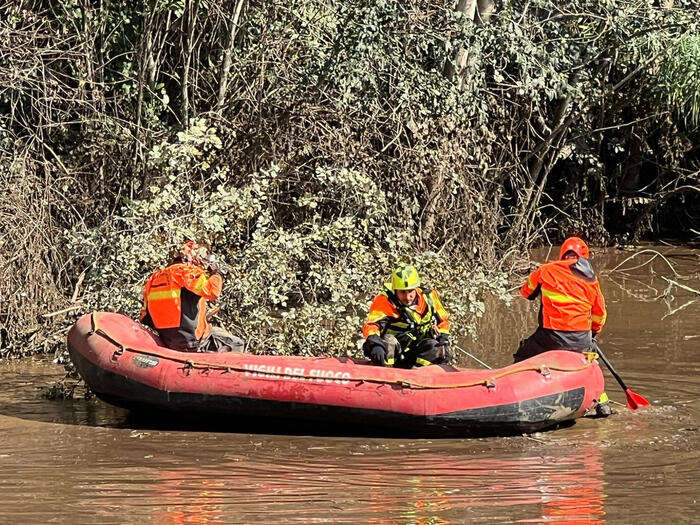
(378, 355)
(443, 340)
(448, 356)
(374, 349)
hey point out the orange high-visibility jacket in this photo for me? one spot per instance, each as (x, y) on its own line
(571, 296)
(389, 316)
(175, 303)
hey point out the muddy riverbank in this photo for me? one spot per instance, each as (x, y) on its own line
(84, 461)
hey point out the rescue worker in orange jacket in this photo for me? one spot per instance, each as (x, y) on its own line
(407, 325)
(572, 308)
(175, 303)
(572, 305)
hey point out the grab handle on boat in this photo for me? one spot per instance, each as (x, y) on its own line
(117, 353)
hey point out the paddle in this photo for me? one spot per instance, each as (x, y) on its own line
(473, 357)
(634, 400)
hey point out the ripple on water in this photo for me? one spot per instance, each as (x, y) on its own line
(88, 462)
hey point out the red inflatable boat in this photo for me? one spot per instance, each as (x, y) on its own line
(124, 364)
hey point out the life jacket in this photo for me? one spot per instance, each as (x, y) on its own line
(408, 324)
(175, 304)
(570, 294)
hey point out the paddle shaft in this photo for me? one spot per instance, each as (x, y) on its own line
(610, 367)
(473, 357)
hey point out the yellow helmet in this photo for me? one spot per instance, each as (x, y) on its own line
(404, 277)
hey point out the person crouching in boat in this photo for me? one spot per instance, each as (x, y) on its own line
(175, 303)
(572, 307)
(407, 325)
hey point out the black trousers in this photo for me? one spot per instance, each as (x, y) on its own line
(544, 340)
(221, 340)
(425, 352)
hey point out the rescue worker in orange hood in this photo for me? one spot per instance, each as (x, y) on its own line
(175, 302)
(572, 307)
(407, 325)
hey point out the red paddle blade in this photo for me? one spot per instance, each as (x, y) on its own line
(634, 400)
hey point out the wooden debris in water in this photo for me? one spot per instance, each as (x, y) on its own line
(682, 286)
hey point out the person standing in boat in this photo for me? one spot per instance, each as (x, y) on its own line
(175, 303)
(407, 325)
(572, 307)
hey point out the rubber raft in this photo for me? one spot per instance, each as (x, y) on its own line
(124, 364)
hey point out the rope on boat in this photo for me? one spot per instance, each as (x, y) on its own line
(191, 364)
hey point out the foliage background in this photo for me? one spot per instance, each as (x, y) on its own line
(314, 144)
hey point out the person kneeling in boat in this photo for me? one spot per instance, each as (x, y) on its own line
(572, 308)
(407, 325)
(175, 303)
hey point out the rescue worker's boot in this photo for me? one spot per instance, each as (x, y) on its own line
(603, 408)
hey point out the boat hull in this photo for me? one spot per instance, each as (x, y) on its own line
(123, 364)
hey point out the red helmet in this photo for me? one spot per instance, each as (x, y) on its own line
(576, 245)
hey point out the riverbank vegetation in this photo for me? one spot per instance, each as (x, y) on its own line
(316, 144)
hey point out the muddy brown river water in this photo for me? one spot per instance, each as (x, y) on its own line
(86, 462)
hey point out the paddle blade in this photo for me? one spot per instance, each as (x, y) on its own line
(634, 400)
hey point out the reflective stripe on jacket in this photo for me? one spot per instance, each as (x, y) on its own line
(571, 296)
(175, 300)
(388, 316)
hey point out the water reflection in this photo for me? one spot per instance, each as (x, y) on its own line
(98, 464)
(411, 487)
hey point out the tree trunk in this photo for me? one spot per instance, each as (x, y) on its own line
(189, 22)
(428, 217)
(479, 11)
(226, 65)
(485, 9)
(543, 154)
(658, 202)
(145, 61)
(146, 46)
(88, 51)
(631, 167)
(468, 9)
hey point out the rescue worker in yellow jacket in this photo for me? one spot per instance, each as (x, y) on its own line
(407, 325)
(175, 303)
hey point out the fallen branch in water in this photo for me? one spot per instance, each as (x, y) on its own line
(656, 254)
(682, 307)
(684, 287)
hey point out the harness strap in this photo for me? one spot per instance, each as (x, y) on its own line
(405, 315)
